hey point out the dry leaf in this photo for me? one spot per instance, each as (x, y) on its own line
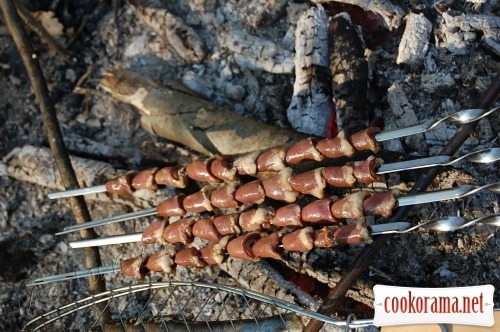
(50, 23)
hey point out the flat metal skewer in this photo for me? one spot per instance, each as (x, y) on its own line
(78, 192)
(481, 156)
(484, 156)
(110, 220)
(446, 224)
(76, 274)
(461, 117)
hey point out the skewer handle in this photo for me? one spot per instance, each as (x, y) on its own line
(436, 196)
(402, 132)
(110, 220)
(105, 241)
(76, 274)
(413, 164)
(78, 192)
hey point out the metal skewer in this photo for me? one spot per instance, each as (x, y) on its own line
(482, 157)
(446, 224)
(77, 274)
(461, 117)
(413, 199)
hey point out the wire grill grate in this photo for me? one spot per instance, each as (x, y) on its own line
(206, 306)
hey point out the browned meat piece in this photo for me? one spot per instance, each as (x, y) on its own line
(335, 147)
(324, 237)
(309, 183)
(350, 206)
(381, 203)
(364, 140)
(227, 224)
(121, 185)
(154, 233)
(365, 171)
(198, 202)
(247, 164)
(269, 246)
(189, 257)
(288, 215)
(173, 176)
(215, 252)
(224, 198)
(221, 169)
(303, 150)
(352, 233)
(163, 261)
(180, 231)
(205, 229)
(319, 211)
(255, 219)
(339, 176)
(199, 170)
(278, 188)
(145, 180)
(250, 193)
(299, 240)
(135, 267)
(172, 207)
(271, 160)
(241, 247)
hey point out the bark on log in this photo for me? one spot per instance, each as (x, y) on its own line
(311, 103)
(174, 113)
(349, 69)
(262, 278)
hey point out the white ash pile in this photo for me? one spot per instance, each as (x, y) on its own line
(289, 64)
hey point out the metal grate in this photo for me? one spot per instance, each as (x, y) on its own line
(171, 305)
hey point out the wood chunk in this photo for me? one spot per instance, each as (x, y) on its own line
(390, 13)
(403, 116)
(415, 41)
(349, 70)
(311, 101)
(459, 41)
(177, 36)
(256, 53)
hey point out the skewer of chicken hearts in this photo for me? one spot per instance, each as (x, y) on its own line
(219, 169)
(328, 210)
(251, 246)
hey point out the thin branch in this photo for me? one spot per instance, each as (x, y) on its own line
(54, 135)
(35, 26)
